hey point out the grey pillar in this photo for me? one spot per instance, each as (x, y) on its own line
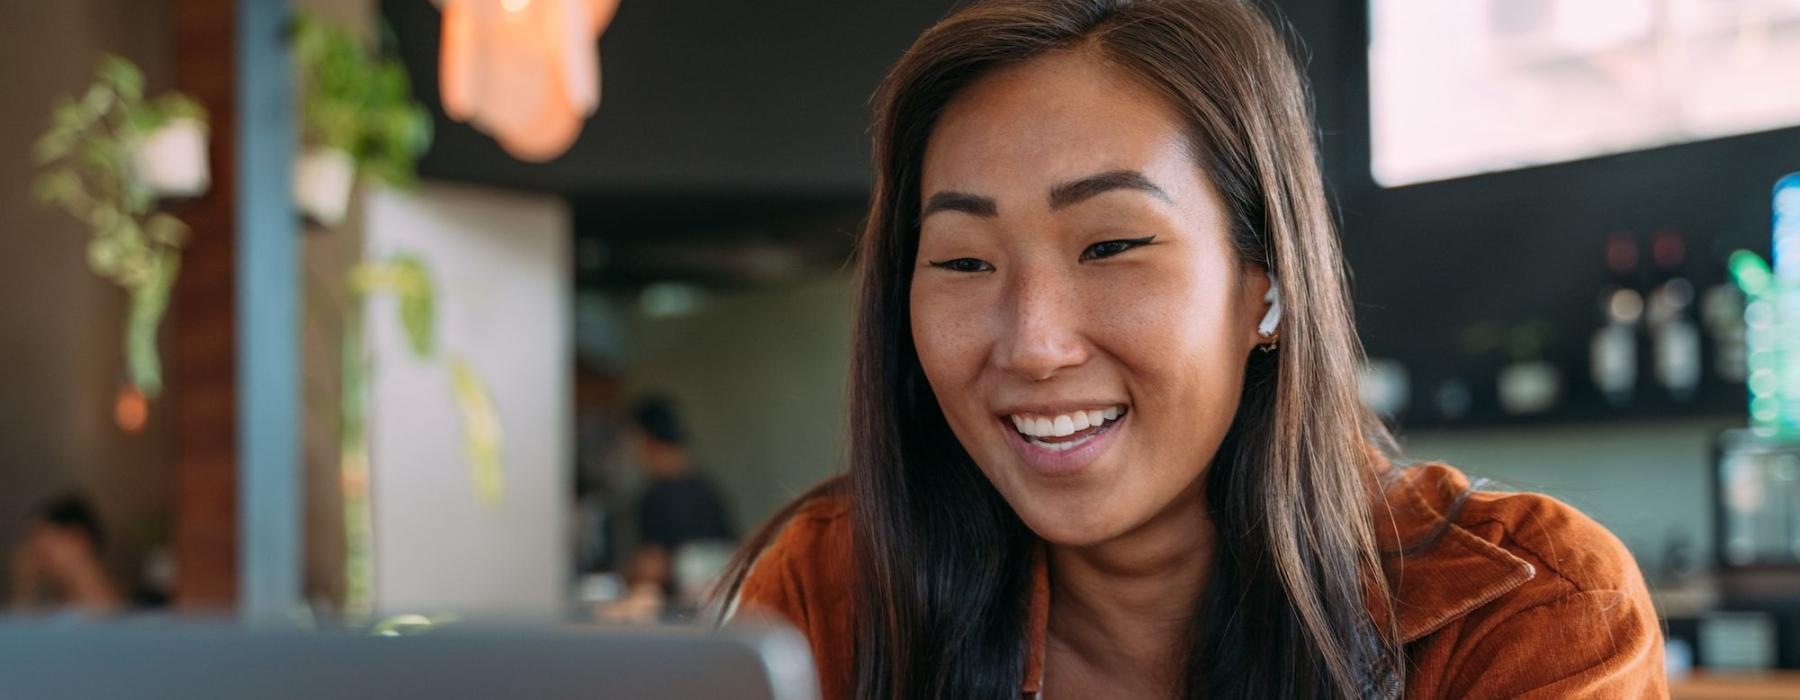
(268, 325)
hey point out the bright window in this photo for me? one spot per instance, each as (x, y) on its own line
(1459, 87)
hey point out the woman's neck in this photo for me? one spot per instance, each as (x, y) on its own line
(1123, 608)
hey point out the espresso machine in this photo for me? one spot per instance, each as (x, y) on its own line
(1756, 517)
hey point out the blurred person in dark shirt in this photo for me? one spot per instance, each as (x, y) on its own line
(679, 508)
(56, 566)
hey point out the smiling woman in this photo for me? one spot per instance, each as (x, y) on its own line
(1079, 465)
(1106, 280)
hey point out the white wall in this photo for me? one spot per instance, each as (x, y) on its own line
(500, 263)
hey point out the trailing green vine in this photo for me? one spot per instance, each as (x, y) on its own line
(87, 172)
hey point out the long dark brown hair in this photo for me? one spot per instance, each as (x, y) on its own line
(943, 563)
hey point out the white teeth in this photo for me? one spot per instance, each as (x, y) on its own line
(1066, 424)
(1062, 446)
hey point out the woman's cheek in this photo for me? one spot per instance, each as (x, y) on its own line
(946, 327)
(1138, 316)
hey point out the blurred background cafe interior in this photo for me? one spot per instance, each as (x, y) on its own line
(370, 314)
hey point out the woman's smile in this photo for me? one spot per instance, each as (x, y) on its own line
(1063, 443)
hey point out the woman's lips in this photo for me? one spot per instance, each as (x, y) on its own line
(1055, 454)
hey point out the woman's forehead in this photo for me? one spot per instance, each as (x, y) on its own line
(1018, 132)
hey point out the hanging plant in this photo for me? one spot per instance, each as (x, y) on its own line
(357, 118)
(106, 159)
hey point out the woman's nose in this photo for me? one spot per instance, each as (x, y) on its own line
(1041, 331)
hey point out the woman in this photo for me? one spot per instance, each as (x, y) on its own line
(1104, 433)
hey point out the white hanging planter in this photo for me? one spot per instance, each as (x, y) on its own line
(323, 178)
(171, 161)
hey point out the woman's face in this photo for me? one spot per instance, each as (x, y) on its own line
(1077, 305)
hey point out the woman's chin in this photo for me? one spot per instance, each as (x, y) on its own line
(1102, 513)
(1064, 527)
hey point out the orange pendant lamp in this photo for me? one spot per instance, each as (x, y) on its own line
(527, 72)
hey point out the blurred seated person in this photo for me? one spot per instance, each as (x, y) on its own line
(681, 519)
(56, 565)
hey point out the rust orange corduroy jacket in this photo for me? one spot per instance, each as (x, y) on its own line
(1522, 597)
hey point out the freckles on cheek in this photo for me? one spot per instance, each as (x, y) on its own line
(1145, 314)
(943, 333)
(1166, 326)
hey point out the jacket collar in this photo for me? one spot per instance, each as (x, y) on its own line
(1437, 571)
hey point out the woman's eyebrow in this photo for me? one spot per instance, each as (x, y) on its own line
(1062, 195)
(1076, 191)
(964, 202)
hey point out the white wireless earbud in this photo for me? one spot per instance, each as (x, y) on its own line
(1273, 318)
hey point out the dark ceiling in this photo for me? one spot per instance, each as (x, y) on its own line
(722, 124)
(718, 96)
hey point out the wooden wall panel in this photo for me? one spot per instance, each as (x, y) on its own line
(205, 364)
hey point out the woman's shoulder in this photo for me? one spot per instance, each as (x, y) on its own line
(1547, 598)
(804, 578)
(814, 540)
(805, 569)
(1563, 548)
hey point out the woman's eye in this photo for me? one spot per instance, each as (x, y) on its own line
(1107, 249)
(963, 265)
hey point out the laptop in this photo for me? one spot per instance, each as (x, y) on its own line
(201, 662)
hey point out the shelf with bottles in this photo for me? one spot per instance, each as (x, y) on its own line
(1456, 403)
(1664, 339)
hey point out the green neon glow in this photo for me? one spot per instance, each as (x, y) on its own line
(1751, 273)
